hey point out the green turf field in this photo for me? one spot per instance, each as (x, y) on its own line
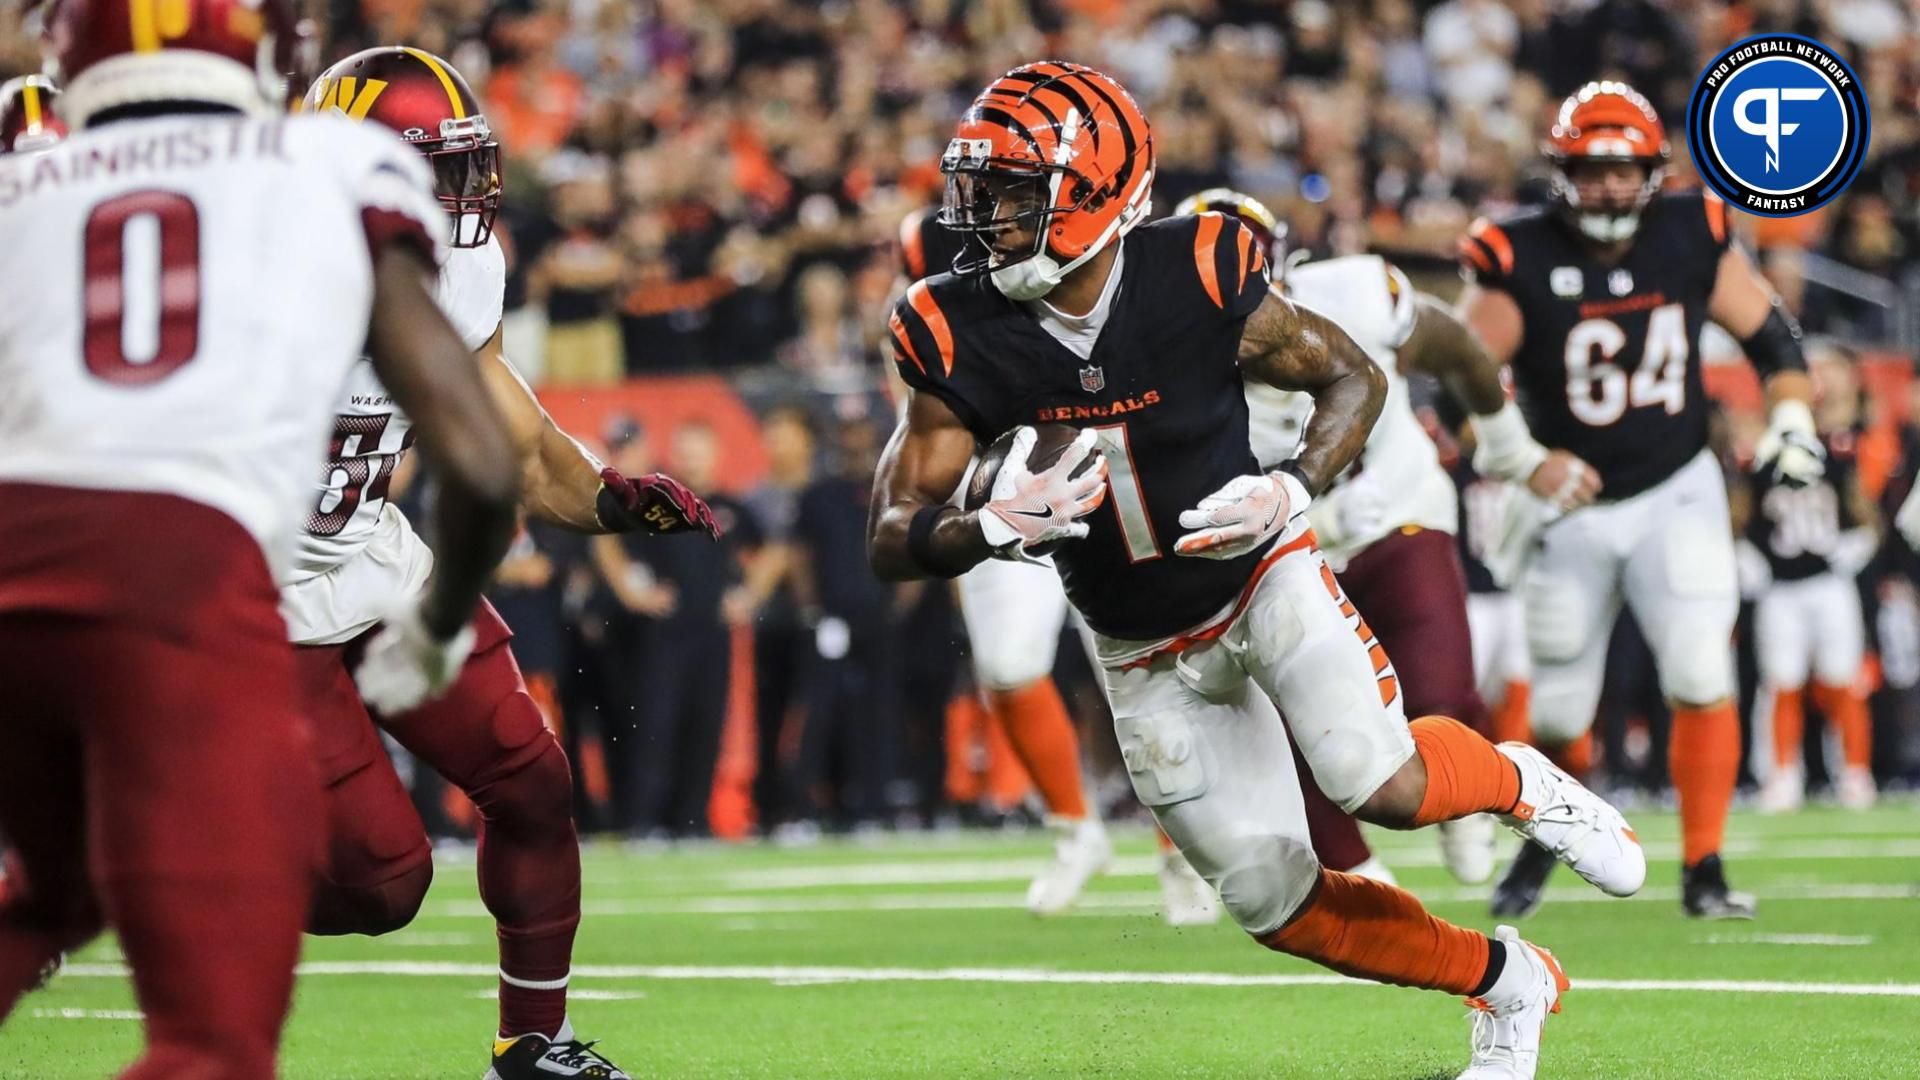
(911, 956)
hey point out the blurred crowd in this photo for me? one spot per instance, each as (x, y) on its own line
(717, 185)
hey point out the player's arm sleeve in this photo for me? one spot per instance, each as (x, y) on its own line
(1486, 256)
(924, 356)
(393, 189)
(1232, 264)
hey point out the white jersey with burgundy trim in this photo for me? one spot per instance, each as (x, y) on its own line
(1374, 303)
(357, 553)
(155, 335)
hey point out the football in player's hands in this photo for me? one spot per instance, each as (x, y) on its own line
(1050, 443)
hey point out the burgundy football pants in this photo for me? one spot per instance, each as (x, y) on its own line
(154, 772)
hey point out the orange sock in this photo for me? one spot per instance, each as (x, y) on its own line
(1789, 724)
(1512, 720)
(1360, 927)
(1704, 761)
(1846, 710)
(966, 719)
(1465, 774)
(1006, 780)
(1576, 758)
(1042, 735)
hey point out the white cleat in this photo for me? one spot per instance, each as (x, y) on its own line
(1784, 791)
(1582, 830)
(1856, 790)
(1466, 846)
(1081, 851)
(1375, 870)
(1190, 900)
(1507, 1022)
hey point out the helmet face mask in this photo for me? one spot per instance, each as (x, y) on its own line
(1052, 163)
(466, 177)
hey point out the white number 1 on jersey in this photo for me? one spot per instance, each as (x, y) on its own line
(1129, 503)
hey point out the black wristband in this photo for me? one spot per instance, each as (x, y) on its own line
(1775, 346)
(1292, 468)
(920, 542)
(612, 515)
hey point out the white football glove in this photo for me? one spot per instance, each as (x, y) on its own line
(405, 665)
(1027, 509)
(1246, 513)
(1907, 518)
(1790, 448)
(1352, 511)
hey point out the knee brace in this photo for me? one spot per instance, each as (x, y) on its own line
(373, 909)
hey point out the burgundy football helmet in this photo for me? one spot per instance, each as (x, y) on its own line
(243, 54)
(423, 99)
(28, 118)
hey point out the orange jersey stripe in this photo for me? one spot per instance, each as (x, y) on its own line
(1203, 242)
(903, 344)
(1496, 240)
(1244, 238)
(922, 300)
(912, 250)
(1471, 251)
(1716, 217)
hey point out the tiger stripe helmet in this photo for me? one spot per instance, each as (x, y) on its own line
(242, 54)
(1262, 222)
(1606, 121)
(28, 118)
(428, 104)
(1056, 148)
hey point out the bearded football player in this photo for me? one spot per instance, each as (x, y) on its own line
(1596, 303)
(1212, 609)
(485, 734)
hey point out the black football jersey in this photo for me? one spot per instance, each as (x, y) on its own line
(1798, 528)
(1162, 385)
(928, 247)
(1608, 365)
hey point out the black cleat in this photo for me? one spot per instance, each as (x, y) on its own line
(1705, 895)
(535, 1057)
(1524, 885)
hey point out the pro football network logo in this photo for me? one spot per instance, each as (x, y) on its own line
(1778, 125)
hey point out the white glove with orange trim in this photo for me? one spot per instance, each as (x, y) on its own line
(1029, 509)
(1246, 513)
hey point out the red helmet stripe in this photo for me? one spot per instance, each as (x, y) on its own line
(446, 81)
(1203, 242)
(1716, 217)
(929, 311)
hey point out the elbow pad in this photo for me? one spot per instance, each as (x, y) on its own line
(1776, 345)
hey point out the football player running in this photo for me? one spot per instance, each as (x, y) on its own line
(1596, 304)
(1014, 613)
(485, 734)
(1212, 609)
(1386, 525)
(156, 445)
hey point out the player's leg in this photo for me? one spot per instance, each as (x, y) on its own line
(378, 859)
(709, 668)
(1840, 648)
(1306, 646)
(1207, 753)
(1410, 588)
(487, 737)
(1681, 585)
(1783, 646)
(1497, 624)
(1014, 613)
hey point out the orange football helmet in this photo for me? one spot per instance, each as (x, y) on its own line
(429, 104)
(28, 119)
(238, 54)
(1054, 148)
(1606, 122)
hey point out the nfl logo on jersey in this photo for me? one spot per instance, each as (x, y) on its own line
(1093, 379)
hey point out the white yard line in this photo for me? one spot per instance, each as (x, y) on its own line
(1822, 940)
(1026, 976)
(87, 1014)
(1101, 903)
